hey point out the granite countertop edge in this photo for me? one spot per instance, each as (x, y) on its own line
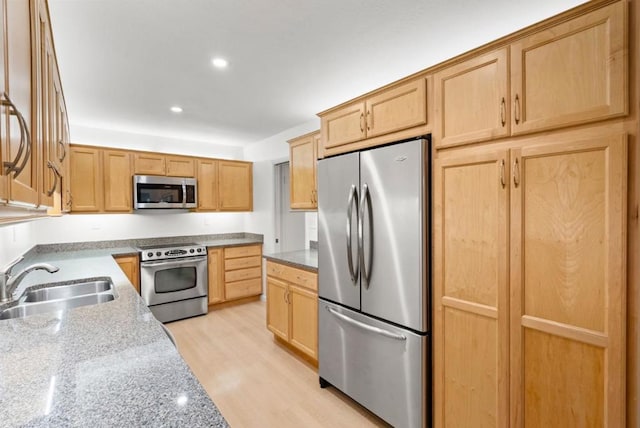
(303, 259)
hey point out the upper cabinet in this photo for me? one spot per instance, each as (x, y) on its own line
(146, 163)
(569, 74)
(572, 73)
(116, 167)
(86, 179)
(207, 174)
(20, 151)
(235, 181)
(390, 114)
(180, 166)
(303, 155)
(471, 100)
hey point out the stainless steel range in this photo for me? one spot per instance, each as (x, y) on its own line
(173, 280)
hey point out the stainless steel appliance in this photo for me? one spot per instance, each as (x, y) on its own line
(373, 267)
(173, 280)
(157, 192)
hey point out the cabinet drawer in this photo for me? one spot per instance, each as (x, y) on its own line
(238, 289)
(241, 274)
(294, 275)
(241, 263)
(248, 250)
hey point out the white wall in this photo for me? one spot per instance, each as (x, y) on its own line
(310, 228)
(15, 240)
(104, 227)
(265, 154)
(153, 143)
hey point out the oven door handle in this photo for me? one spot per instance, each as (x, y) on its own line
(186, 261)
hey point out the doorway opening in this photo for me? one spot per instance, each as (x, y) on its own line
(290, 225)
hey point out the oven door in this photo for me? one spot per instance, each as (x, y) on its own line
(172, 280)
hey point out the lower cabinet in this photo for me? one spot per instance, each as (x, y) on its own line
(234, 273)
(131, 267)
(292, 306)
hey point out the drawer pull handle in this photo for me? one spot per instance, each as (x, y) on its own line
(367, 327)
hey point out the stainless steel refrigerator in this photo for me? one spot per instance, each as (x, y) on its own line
(373, 267)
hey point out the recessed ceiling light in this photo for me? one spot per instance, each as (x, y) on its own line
(176, 109)
(219, 62)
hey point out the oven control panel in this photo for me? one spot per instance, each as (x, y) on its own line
(174, 252)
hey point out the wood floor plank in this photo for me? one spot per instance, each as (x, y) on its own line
(254, 381)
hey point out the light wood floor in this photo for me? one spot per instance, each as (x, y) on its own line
(256, 382)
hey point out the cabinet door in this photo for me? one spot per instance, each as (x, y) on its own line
(207, 184)
(302, 173)
(149, 163)
(216, 275)
(471, 100)
(4, 116)
(235, 181)
(277, 308)
(23, 185)
(470, 294)
(131, 267)
(180, 166)
(343, 126)
(303, 308)
(117, 180)
(397, 108)
(568, 285)
(573, 73)
(86, 180)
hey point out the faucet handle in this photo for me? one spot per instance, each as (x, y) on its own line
(7, 269)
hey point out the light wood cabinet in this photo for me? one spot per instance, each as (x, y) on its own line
(303, 155)
(180, 166)
(242, 271)
(117, 180)
(146, 163)
(387, 111)
(21, 150)
(292, 306)
(235, 181)
(529, 278)
(215, 263)
(471, 295)
(86, 179)
(100, 180)
(572, 73)
(568, 283)
(471, 100)
(207, 174)
(131, 267)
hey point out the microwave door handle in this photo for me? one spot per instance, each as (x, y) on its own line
(184, 194)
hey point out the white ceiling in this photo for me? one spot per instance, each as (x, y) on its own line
(125, 62)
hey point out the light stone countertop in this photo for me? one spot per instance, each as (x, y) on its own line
(304, 259)
(109, 364)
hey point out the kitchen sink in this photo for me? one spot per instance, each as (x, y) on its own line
(68, 291)
(62, 296)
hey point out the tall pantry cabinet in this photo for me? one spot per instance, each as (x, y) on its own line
(529, 257)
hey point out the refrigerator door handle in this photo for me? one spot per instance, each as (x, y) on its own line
(353, 199)
(365, 201)
(367, 327)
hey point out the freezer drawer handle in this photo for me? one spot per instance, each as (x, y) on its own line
(364, 326)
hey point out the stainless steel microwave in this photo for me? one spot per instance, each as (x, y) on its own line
(157, 192)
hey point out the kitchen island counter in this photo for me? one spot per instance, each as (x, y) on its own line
(303, 259)
(110, 363)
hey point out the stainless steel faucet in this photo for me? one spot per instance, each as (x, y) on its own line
(8, 282)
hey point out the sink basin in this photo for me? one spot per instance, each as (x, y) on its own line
(62, 296)
(25, 310)
(67, 291)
